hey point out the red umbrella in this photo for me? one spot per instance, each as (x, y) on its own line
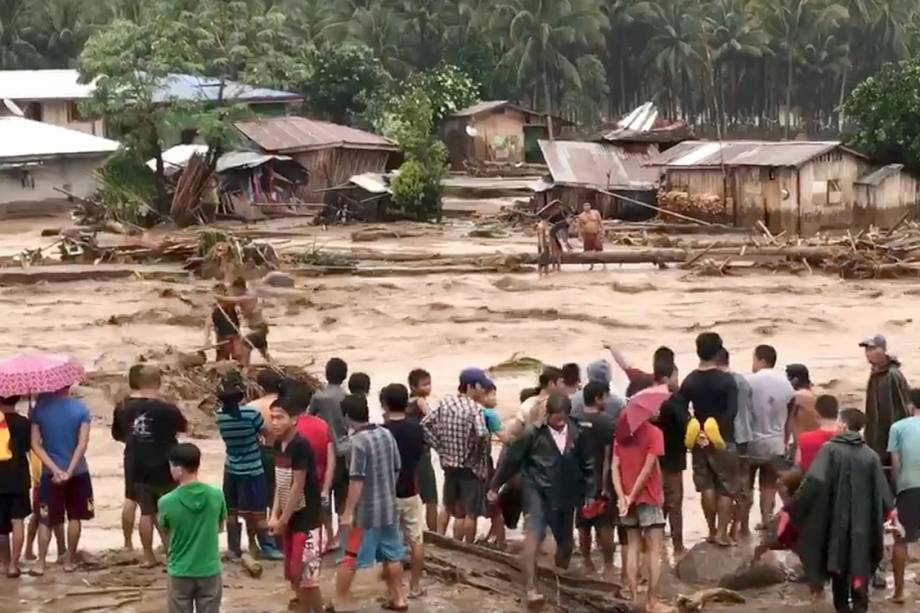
(38, 373)
(644, 406)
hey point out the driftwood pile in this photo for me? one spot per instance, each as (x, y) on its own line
(705, 207)
(186, 202)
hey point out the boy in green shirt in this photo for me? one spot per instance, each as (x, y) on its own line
(193, 515)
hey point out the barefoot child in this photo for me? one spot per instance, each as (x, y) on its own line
(420, 390)
(15, 442)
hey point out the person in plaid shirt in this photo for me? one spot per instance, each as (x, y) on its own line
(457, 430)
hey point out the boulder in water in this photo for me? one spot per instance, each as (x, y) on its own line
(278, 279)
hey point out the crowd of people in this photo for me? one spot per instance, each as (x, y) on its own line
(308, 474)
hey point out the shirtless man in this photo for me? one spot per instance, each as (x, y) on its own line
(591, 229)
(803, 417)
(250, 308)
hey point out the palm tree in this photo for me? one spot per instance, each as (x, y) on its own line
(792, 24)
(546, 37)
(16, 48)
(675, 49)
(62, 27)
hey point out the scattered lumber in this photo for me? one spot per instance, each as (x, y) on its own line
(187, 197)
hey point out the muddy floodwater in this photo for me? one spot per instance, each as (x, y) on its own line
(387, 326)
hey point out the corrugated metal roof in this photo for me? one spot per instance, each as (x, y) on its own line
(26, 139)
(641, 119)
(43, 85)
(246, 159)
(206, 89)
(176, 158)
(484, 106)
(690, 154)
(295, 134)
(64, 85)
(373, 182)
(597, 165)
(875, 177)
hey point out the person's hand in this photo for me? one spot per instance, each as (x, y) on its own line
(346, 520)
(702, 441)
(280, 527)
(272, 522)
(492, 496)
(623, 505)
(59, 476)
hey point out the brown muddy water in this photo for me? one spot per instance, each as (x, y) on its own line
(386, 327)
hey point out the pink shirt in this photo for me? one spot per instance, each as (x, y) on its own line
(559, 437)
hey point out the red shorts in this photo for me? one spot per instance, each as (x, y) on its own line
(593, 242)
(72, 499)
(303, 556)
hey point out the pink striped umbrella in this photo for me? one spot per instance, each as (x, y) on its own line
(644, 405)
(37, 373)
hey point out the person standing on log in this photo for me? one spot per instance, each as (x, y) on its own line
(591, 229)
(744, 434)
(555, 460)
(713, 395)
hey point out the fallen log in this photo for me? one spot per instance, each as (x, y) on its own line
(251, 565)
(670, 255)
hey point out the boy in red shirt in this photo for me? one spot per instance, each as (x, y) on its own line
(810, 442)
(637, 480)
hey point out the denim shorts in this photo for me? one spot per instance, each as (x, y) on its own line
(643, 515)
(365, 547)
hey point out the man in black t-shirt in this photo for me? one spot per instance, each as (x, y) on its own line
(597, 426)
(15, 443)
(712, 393)
(410, 440)
(152, 426)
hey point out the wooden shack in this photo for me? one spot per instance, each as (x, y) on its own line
(800, 187)
(885, 195)
(498, 131)
(330, 153)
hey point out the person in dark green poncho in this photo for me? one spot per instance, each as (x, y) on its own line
(839, 511)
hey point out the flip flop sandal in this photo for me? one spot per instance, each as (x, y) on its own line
(389, 606)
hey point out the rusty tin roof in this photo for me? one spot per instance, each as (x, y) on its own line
(597, 165)
(713, 154)
(296, 134)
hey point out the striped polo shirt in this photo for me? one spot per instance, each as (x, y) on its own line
(241, 436)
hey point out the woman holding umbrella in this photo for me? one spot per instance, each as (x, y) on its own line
(638, 444)
(60, 436)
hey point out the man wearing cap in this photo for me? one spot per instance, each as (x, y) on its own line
(456, 429)
(886, 396)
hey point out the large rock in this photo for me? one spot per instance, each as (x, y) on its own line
(731, 567)
(278, 279)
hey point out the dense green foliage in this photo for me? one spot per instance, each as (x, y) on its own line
(745, 62)
(885, 109)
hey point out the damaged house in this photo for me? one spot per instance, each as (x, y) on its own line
(330, 153)
(800, 187)
(42, 166)
(613, 179)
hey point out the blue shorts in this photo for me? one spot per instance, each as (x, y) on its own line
(246, 494)
(365, 547)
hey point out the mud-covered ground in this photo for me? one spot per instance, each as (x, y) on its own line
(444, 323)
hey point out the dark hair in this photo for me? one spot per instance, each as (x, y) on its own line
(854, 419)
(558, 403)
(708, 345)
(723, 357)
(798, 376)
(355, 408)
(395, 397)
(663, 354)
(914, 396)
(239, 283)
(827, 407)
(417, 375)
(359, 383)
(294, 397)
(186, 456)
(528, 392)
(336, 371)
(270, 380)
(134, 376)
(662, 369)
(571, 373)
(767, 354)
(230, 392)
(10, 401)
(549, 374)
(594, 391)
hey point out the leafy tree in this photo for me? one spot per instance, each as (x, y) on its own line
(337, 79)
(16, 49)
(884, 111)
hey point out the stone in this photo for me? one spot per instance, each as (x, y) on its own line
(278, 279)
(707, 564)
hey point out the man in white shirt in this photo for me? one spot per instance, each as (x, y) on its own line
(772, 394)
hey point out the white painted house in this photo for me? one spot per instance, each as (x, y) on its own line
(50, 96)
(36, 158)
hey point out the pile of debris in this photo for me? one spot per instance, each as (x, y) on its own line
(483, 168)
(705, 207)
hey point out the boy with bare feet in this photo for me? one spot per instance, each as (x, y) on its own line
(15, 442)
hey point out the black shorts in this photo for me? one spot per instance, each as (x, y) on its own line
(268, 467)
(340, 481)
(909, 513)
(464, 493)
(246, 494)
(258, 338)
(427, 484)
(129, 482)
(13, 506)
(147, 496)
